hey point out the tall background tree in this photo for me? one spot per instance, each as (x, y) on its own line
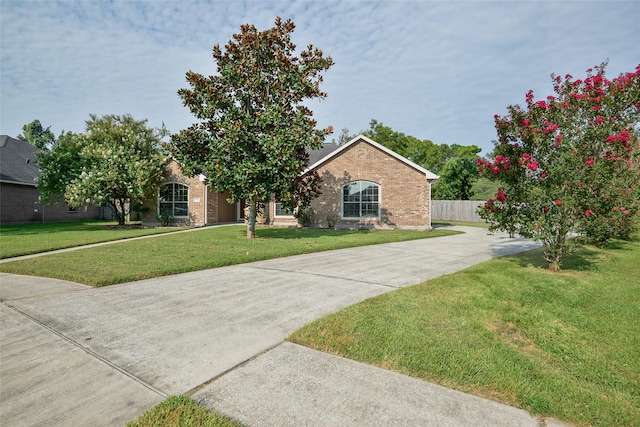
(116, 162)
(455, 164)
(37, 135)
(569, 163)
(253, 128)
(59, 166)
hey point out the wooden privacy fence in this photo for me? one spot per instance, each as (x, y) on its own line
(456, 210)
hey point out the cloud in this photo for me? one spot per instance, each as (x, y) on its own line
(434, 70)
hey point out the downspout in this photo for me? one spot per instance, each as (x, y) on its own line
(206, 204)
(430, 204)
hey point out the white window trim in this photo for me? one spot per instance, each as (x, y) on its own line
(187, 202)
(275, 210)
(360, 218)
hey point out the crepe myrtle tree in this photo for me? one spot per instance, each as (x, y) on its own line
(116, 162)
(568, 163)
(253, 128)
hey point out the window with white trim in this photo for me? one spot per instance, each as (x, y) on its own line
(173, 200)
(361, 199)
(280, 211)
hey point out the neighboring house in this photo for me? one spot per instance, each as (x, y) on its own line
(364, 185)
(19, 197)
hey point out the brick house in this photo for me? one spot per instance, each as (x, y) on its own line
(188, 200)
(364, 185)
(19, 197)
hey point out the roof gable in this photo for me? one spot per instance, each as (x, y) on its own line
(18, 161)
(361, 138)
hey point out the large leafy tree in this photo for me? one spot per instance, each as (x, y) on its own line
(454, 163)
(569, 163)
(59, 166)
(253, 128)
(116, 162)
(457, 177)
(36, 134)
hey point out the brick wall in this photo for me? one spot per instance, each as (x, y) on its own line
(404, 192)
(205, 206)
(197, 199)
(19, 205)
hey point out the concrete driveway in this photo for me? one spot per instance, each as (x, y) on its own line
(75, 355)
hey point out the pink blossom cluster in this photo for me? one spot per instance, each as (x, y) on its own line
(620, 138)
(529, 162)
(622, 209)
(500, 163)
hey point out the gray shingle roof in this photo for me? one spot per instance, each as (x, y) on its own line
(327, 148)
(17, 161)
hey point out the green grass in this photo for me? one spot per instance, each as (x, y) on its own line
(180, 411)
(16, 240)
(562, 345)
(198, 250)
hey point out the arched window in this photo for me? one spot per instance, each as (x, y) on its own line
(361, 199)
(174, 200)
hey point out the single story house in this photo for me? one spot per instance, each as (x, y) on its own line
(19, 197)
(364, 185)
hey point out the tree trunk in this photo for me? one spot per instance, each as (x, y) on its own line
(251, 223)
(554, 266)
(118, 210)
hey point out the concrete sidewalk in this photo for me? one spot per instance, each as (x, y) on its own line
(86, 356)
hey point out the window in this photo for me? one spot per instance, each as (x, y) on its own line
(280, 211)
(174, 200)
(360, 199)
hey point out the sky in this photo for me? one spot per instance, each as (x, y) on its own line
(436, 70)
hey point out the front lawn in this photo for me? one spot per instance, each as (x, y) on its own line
(561, 345)
(197, 250)
(180, 411)
(16, 240)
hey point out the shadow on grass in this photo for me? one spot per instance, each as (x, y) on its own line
(311, 233)
(54, 227)
(622, 245)
(583, 259)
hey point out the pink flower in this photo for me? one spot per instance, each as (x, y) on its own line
(543, 175)
(581, 184)
(526, 157)
(529, 96)
(525, 123)
(599, 120)
(546, 209)
(541, 104)
(559, 140)
(533, 165)
(590, 161)
(588, 212)
(495, 170)
(559, 202)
